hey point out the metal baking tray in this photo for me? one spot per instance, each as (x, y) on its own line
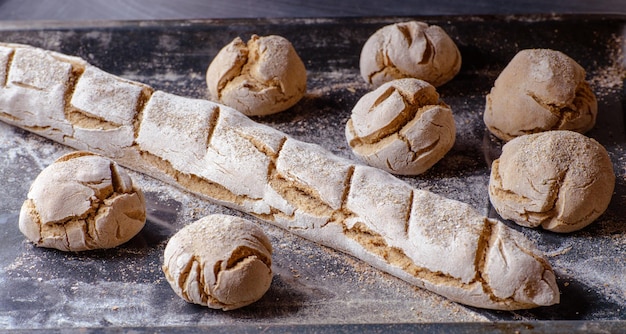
(314, 288)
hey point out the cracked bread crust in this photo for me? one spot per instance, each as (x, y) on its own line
(82, 202)
(559, 180)
(220, 261)
(261, 77)
(540, 90)
(401, 127)
(207, 149)
(410, 49)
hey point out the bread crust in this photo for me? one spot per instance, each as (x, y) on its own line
(220, 261)
(81, 202)
(259, 77)
(401, 127)
(540, 90)
(303, 188)
(559, 180)
(411, 49)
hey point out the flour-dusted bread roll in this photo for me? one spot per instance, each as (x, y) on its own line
(540, 90)
(261, 77)
(559, 180)
(430, 241)
(410, 50)
(80, 202)
(401, 127)
(220, 261)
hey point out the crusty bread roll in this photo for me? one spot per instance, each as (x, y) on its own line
(436, 243)
(220, 261)
(540, 90)
(559, 180)
(261, 77)
(401, 127)
(410, 49)
(80, 202)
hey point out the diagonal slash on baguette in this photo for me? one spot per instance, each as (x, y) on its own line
(428, 240)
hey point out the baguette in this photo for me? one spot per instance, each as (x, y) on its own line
(430, 241)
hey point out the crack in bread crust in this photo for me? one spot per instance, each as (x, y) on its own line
(193, 183)
(376, 244)
(9, 60)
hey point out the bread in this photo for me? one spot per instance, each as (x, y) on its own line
(80, 202)
(410, 49)
(220, 261)
(261, 77)
(559, 180)
(432, 242)
(540, 90)
(401, 127)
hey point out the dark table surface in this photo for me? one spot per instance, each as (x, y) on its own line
(315, 289)
(196, 9)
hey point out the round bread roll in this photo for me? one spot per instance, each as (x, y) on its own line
(220, 261)
(560, 180)
(262, 77)
(82, 201)
(410, 50)
(401, 127)
(540, 90)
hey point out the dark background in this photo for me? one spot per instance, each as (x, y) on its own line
(196, 9)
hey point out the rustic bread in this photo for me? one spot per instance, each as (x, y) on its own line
(410, 49)
(80, 202)
(220, 261)
(540, 90)
(261, 77)
(559, 180)
(443, 245)
(401, 127)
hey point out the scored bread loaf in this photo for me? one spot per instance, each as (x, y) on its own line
(218, 153)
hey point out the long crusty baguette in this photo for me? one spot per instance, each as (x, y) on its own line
(218, 153)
